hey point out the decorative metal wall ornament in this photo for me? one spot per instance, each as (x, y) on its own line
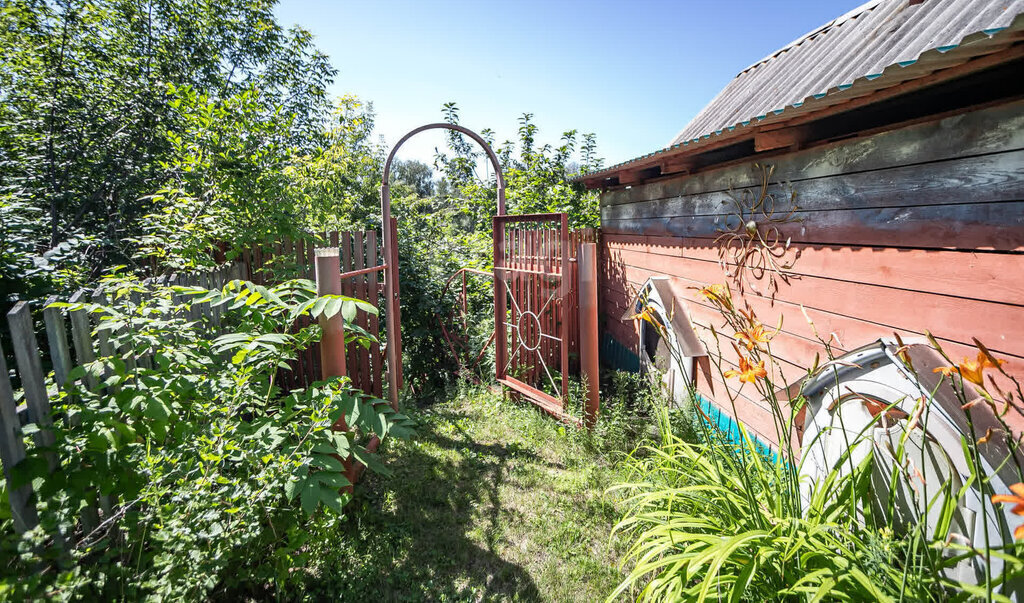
(750, 247)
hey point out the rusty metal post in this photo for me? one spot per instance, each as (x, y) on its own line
(500, 312)
(589, 365)
(566, 290)
(332, 344)
(390, 298)
(393, 309)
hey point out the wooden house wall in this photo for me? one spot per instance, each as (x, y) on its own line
(912, 229)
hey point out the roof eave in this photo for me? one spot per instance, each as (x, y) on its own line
(786, 127)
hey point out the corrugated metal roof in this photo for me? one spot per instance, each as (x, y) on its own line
(876, 46)
(861, 43)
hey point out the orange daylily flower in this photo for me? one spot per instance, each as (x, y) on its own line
(646, 314)
(972, 370)
(1017, 498)
(749, 372)
(753, 336)
(717, 293)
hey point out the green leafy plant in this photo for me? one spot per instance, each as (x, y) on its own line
(715, 522)
(85, 111)
(227, 181)
(720, 517)
(184, 469)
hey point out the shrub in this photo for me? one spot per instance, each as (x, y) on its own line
(206, 474)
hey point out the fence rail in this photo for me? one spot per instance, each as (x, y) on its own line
(361, 261)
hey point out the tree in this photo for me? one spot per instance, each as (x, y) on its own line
(85, 101)
(227, 180)
(337, 186)
(415, 174)
(536, 177)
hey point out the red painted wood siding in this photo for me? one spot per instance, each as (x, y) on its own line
(915, 229)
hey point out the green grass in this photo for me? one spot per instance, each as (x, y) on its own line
(491, 500)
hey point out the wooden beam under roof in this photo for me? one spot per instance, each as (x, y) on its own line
(781, 138)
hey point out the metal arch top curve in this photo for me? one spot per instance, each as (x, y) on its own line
(385, 187)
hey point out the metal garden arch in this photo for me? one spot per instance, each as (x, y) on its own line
(394, 312)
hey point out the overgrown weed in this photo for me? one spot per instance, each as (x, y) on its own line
(493, 500)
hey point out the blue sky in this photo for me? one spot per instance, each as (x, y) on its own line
(634, 73)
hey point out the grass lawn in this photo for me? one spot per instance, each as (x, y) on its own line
(490, 501)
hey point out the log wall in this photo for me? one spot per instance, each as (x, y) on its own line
(913, 229)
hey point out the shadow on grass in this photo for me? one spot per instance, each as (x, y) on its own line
(430, 531)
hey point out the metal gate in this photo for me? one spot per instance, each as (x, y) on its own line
(533, 286)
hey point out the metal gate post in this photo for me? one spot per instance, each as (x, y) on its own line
(500, 351)
(392, 306)
(565, 310)
(332, 344)
(390, 294)
(589, 365)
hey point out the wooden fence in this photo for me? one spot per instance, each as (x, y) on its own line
(359, 251)
(29, 404)
(87, 344)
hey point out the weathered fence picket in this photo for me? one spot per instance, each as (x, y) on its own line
(12, 452)
(57, 339)
(30, 368)
(60, 356)
(81, 337)
(89, 342)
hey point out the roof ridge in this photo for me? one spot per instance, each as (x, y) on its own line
(1000, 26)
(851, 14)
(840, 60)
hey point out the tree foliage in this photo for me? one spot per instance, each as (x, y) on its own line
(226, 179)
(415, 174)
(337, 185)
(536, 175)
(88, 97)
